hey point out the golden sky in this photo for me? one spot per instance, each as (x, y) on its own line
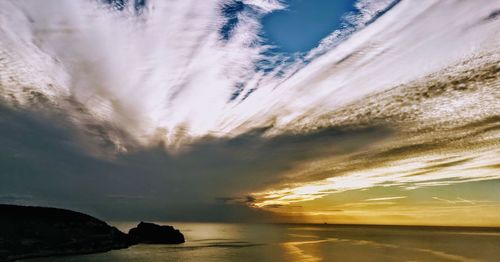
(465, 204)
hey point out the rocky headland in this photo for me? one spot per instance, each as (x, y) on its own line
(27, 232)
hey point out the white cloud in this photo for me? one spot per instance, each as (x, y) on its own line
(168, 69)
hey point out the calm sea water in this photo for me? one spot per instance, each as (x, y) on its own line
(268, 242)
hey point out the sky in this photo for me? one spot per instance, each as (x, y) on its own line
(361, 111)
(301, 25)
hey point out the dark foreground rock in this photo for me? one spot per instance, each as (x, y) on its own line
(150, 233)
(41, 231)
(27, 232)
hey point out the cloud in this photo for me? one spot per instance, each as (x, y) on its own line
(424, 155)
(189, 83)
(43, 157)
(385, 198)
(459, 200)
(131, 113)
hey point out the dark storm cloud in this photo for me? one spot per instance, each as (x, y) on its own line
(209, 180)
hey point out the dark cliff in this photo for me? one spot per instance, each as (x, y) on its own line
(41, 231)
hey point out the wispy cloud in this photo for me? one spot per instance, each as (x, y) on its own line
(459, 200)
(385, 198)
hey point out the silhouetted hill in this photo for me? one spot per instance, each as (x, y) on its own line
(41, 231)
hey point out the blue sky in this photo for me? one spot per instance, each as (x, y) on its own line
(302, 25)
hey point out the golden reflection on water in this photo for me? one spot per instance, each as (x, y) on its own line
(294, 249)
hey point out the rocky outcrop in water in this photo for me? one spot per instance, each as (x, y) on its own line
(155, 234)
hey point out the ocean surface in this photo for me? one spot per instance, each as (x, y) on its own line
(297, 242)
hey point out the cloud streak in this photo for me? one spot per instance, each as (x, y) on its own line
(385, 198)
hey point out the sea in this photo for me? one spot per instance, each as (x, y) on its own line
(309, 242)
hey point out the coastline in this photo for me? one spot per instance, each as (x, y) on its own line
(33, 232)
